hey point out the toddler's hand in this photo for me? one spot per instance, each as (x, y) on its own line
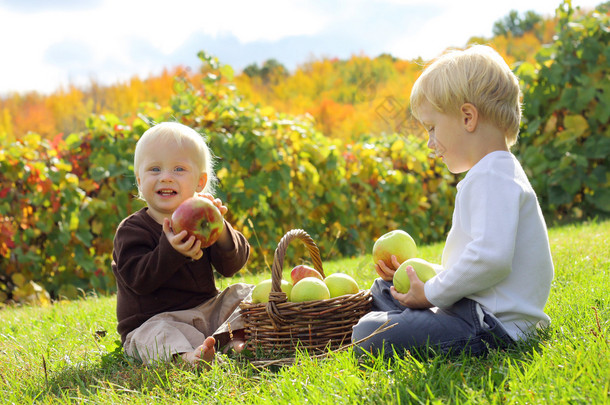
(385, 272)
(217, 202)
(224, 241)
(415, 298)
(190, 247)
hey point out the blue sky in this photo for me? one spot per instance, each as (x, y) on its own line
(48, 44)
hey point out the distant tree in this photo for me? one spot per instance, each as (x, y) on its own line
(604, 7)
(516, 24)
(273, 68)
(252, 70)
(271, 71)
(387, 56)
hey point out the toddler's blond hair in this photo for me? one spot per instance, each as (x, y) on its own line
(183, 136)
(477, 75)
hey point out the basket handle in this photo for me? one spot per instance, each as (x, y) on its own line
(276, 295)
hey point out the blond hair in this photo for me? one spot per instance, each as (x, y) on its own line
(183, 136)
(479, 76)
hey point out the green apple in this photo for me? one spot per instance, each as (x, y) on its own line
(261, 291)
(398, 243)
(423, 269)
(340, 284)
(309, 289)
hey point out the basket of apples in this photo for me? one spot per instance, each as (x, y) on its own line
(312, 312)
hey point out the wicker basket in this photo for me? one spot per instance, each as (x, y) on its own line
(279, 326)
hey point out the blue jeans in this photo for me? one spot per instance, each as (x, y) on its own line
(449, 330)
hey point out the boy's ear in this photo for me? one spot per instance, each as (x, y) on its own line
(203, 180)
(470, 116)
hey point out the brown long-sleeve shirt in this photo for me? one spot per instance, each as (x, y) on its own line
(152, 277)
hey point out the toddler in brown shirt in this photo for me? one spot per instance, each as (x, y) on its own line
(167, 301)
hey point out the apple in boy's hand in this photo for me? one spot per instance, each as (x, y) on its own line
(423, 269)
(398, 243)
(261, 291)
(200, 218)
(301, 271)
(309, 289)
(341, 284)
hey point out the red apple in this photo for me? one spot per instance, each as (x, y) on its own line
(301, 271)
(200, 218)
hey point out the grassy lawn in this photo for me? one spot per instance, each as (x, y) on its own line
(68, 353)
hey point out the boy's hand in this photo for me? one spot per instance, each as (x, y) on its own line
(385, 272)
(190, 247)
(415, 298)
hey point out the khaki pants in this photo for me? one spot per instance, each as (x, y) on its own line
(169, 333)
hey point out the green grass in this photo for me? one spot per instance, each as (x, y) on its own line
(58, 354)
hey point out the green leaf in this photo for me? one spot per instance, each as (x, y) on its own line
(585, 96)
(597, 147)
(558, 196)
(600, 199)
(227, 72)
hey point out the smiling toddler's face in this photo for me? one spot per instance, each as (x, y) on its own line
(167, 176)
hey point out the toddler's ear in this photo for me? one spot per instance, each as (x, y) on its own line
(470, 116)
(203, 180)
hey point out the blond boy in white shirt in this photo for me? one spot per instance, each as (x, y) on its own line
(496, 270)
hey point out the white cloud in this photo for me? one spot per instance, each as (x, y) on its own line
(108, 31)
(267, 20)
(458, 21)
(73, 41)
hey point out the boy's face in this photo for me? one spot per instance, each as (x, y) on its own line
(447, 137)
(167, 176)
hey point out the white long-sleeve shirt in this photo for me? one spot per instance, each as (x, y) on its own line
(497, 252)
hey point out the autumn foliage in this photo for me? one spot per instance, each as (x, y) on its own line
(330, 148)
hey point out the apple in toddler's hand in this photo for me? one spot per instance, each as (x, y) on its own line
(423, 269)
(398, 243)
(301, 271)
(261, 291)
(200, 218)
(341, 284)
(309, 289)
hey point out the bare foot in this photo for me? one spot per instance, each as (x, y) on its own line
(203, 355)
(237, 345)
(237, 342)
